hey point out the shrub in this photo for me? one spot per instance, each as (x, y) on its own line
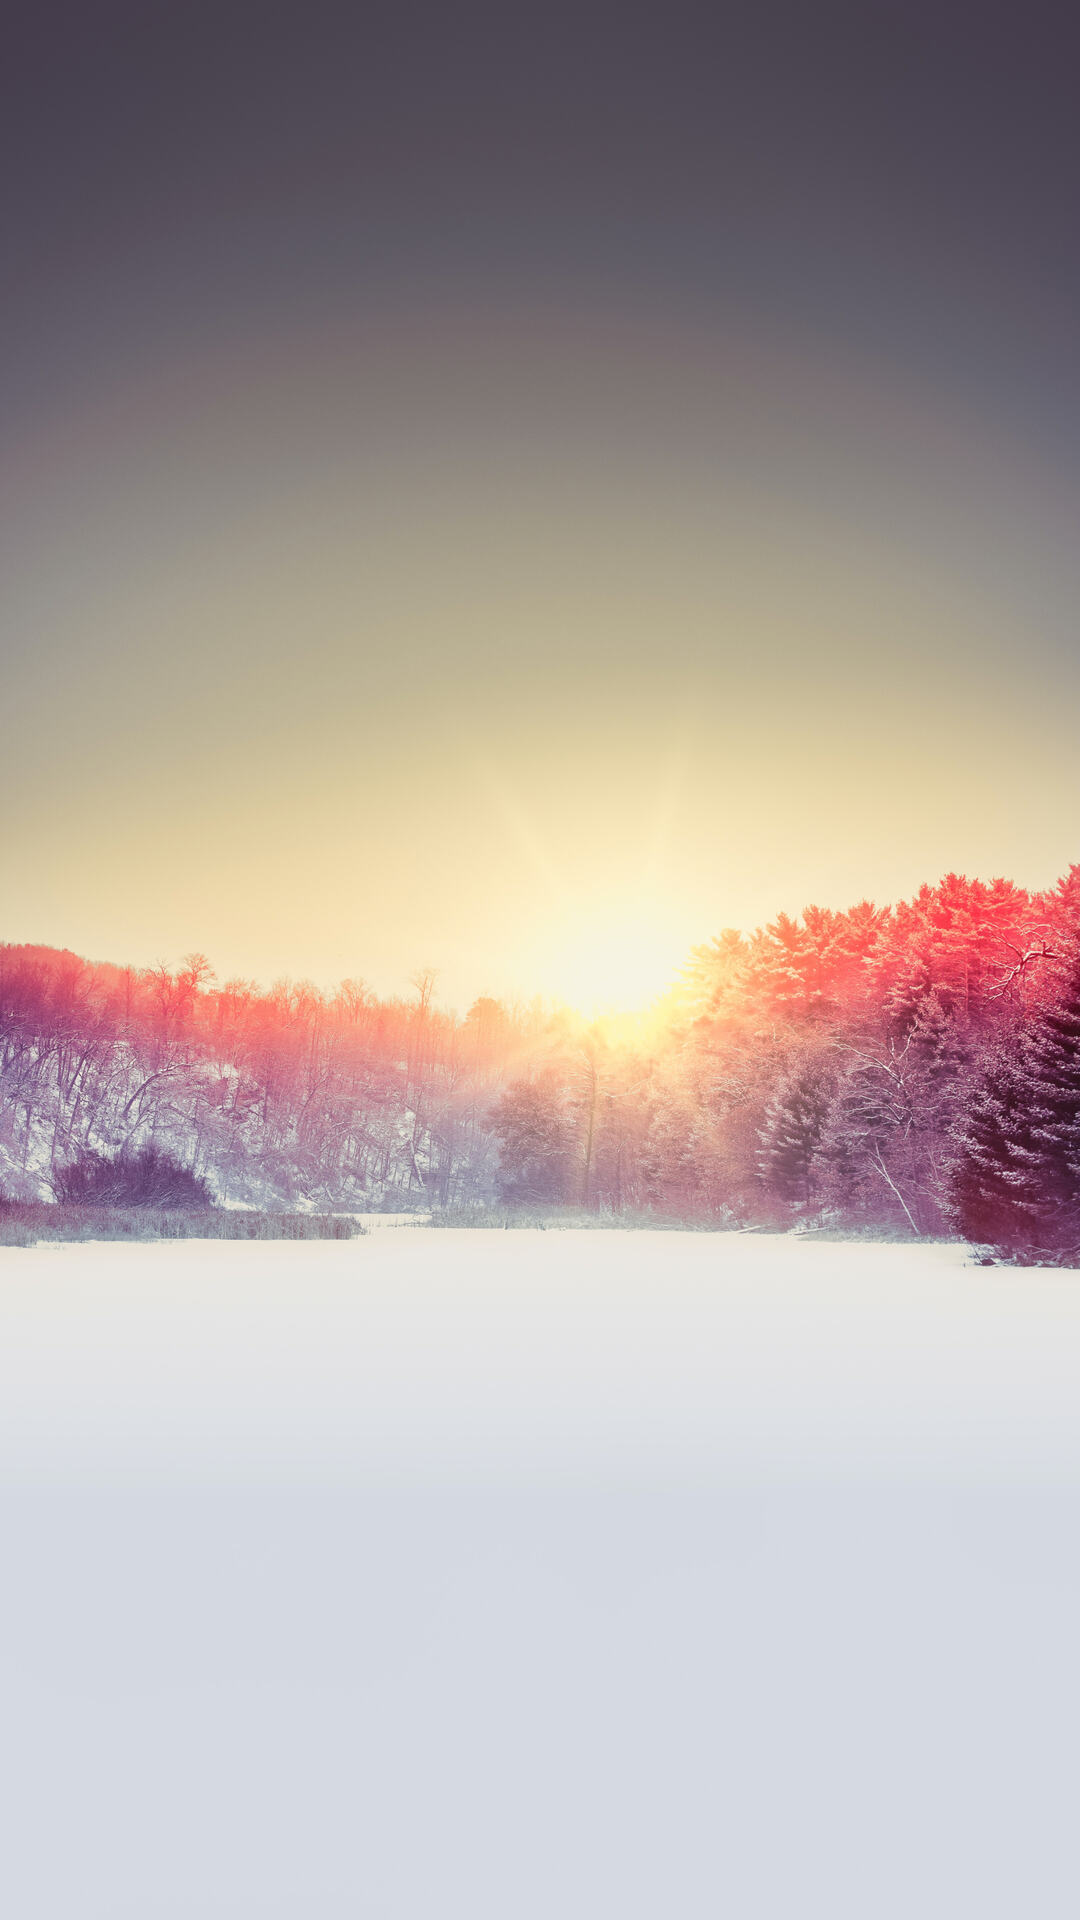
(139, 1177)
(22, 1223)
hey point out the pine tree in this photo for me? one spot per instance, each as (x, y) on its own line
(531, 1123)
(789, 1139)
(1016, 1182)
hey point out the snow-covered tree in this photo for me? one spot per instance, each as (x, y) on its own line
(1016, 1182)
(790, 1137)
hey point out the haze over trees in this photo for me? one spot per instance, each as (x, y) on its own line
(913, 1067)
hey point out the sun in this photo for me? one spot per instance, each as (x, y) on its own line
(608, 956)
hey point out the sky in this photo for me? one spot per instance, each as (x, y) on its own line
(516, 490)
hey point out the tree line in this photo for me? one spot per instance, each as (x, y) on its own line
(914, 1067)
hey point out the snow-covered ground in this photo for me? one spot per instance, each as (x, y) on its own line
(516, 1576)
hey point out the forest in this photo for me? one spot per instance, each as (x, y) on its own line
(914, 1068)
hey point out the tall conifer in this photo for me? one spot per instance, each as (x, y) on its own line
(1016, 1183)
(790, 1136)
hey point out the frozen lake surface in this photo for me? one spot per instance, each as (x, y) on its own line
(520, 1575)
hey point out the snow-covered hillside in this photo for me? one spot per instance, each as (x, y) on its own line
(483, 1574)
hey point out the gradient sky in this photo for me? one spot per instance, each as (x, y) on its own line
(517, 490)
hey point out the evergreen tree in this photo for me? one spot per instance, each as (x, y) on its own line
(1016, 1181)
(789, 1139)
(532, 1125)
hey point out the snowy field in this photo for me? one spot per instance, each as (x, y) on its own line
(537, 1576)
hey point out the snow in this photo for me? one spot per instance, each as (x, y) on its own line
(446, 1573)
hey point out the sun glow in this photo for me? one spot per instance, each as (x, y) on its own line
(610, 957)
